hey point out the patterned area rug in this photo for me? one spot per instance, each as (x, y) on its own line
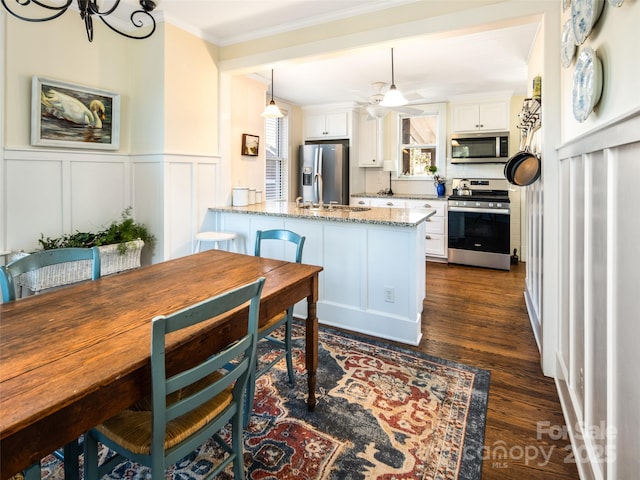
(383, 413)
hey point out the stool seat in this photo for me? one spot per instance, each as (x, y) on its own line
(214, 237)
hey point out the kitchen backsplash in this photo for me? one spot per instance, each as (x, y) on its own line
(376, 179)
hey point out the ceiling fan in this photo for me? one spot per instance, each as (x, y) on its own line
(375, 110)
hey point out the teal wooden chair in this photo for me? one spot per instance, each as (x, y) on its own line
(283, 318)
(32, 262)
(190, 407)
(45, 258)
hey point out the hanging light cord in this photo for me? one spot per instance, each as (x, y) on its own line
(272, 85)
(393, 81)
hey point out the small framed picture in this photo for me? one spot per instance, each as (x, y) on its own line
(250, 144)
(73, 116)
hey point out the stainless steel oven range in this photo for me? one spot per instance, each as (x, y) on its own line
(479, 223)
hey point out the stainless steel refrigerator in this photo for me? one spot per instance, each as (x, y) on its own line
(331, 162)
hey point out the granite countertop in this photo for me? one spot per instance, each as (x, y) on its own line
(403, 196)
(400, 217)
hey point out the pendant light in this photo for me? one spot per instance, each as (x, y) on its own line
(393, 98)
(272, 110)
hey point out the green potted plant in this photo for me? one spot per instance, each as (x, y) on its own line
(121, 233)
(120, 246)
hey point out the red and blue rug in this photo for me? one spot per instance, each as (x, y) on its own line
(383, 413)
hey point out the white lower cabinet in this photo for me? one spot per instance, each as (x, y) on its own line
(435, 244)
(387, 202)
(359, 201)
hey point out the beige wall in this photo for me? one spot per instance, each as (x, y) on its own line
(59, 50)
(248, 100)
(168, 83)
(190, 94)
(394, 20)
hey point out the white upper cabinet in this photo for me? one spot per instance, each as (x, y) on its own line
(370, 146)
(321, 125)
(486, 116)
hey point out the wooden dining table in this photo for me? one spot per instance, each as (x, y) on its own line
(73, 357)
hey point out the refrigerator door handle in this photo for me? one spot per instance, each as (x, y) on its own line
(319, 171)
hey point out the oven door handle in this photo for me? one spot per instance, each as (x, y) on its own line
(499, 211)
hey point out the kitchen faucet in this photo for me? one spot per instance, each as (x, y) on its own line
(318, 179)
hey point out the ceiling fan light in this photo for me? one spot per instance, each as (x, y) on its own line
(272, 111)
(393, 98)
(376, 111)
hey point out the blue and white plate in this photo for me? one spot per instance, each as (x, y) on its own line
(568, 45)
(587, 83)
(584, 15)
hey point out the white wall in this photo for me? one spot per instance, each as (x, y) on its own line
(599, 256)
(615, 40)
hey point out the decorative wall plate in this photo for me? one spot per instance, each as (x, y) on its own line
(587, 83)
(615, 3)
(584, 15)
(568, 45)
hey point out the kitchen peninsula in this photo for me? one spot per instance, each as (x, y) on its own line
(373, 280)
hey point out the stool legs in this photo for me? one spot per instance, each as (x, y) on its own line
(228, 245)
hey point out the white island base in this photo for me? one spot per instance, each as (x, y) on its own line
(373, 280)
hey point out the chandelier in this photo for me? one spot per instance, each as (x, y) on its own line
(50, 9)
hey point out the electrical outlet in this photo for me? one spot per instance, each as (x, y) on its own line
(389, 294)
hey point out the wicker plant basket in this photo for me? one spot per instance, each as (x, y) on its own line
(111, 261)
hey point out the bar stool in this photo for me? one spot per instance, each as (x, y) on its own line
(216, 238)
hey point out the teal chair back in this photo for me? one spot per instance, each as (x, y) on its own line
(45, 258)
(280, 234)
(189, 407)
(274, 322)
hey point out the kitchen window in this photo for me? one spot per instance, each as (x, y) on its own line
(276, 158)
(422, 142)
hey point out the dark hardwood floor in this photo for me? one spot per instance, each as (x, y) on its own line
(477, 316)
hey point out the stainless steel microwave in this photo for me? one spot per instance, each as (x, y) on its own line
(480, 148)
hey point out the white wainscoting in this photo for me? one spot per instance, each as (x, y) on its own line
(533, 258)
(172, 193)
(599, 328)
(53, 192)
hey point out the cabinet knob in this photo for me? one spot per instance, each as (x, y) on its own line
(427, 205)
(427, 237)
(390, 204)
(361, 202)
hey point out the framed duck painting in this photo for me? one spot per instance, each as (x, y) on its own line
(73, 116)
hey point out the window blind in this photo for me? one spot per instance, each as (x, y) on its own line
(276, 174)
